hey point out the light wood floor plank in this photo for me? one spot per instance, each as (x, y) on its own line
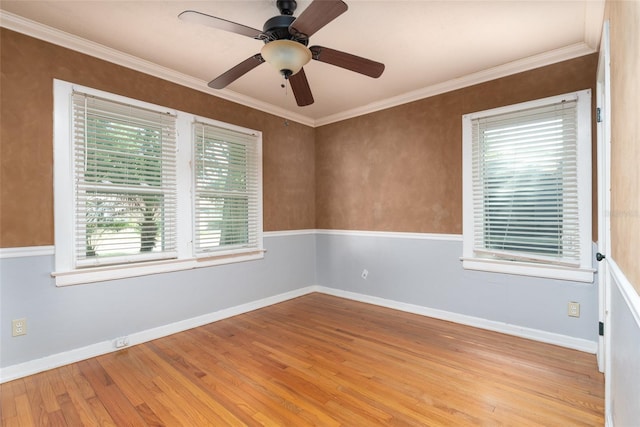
(24, 411)
(318, 360)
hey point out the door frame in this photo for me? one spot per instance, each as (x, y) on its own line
(603, 103)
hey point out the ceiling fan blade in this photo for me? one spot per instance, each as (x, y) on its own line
(219, 23)
(346, 60)
(236, 72)
(301, 90)
(318, 14)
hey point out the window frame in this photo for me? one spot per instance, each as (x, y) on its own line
(254, 198)
(472, 260)
(88, 111)
(66, 271)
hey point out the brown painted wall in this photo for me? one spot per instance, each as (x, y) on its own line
(401, 169)
(28, 68)
(624, 17)
(395, 170)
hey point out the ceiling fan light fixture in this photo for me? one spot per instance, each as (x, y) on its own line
(286, 55)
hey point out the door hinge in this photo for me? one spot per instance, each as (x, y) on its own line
(598, 115)
(601, 329)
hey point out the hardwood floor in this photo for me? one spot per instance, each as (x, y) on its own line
(318, 360)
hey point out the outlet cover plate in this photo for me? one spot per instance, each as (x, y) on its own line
(574, 309)
(18, 327)
(121, 342)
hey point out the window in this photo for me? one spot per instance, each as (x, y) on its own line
(226, 180)
(142, 189)
(527, 188)
(125, 182)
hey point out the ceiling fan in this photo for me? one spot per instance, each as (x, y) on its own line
(285, 40)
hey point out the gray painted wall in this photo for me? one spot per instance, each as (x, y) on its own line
(428, 273)
(624, 376)
(67, 318)
(420, 271)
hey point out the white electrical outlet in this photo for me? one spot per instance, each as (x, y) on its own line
(121, 342)
(364, 274)
(18, 327)
(574, 309)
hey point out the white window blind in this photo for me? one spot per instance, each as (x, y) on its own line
(525, 185)
(124, 161)
(227, 168)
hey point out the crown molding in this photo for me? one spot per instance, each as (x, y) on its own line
(51, 35)
(34, 29)
(593, 22)
(558, 55)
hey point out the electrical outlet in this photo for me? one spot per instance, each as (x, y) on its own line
(364, 274)
(18, 327)
(121, 342)
(574, 309)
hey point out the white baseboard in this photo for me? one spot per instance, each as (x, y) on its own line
(608, 422)
(505, 328)
(60, 359)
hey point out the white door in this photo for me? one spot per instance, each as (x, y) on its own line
(603, 117)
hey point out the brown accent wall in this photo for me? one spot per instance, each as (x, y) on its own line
(394, 170)
(401, 169)
(624, 17)
(28, 67)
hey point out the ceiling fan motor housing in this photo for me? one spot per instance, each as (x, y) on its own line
(277, 28)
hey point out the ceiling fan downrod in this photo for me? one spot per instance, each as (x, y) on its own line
(286, 7)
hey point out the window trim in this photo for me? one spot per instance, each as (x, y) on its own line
(66, 272)
(470, 261)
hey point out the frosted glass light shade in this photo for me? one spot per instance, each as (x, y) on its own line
(286, 55)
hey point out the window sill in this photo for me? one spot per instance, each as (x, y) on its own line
(114, 272)
(546, 271)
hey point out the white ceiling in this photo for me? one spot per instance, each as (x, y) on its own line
(427, 46)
